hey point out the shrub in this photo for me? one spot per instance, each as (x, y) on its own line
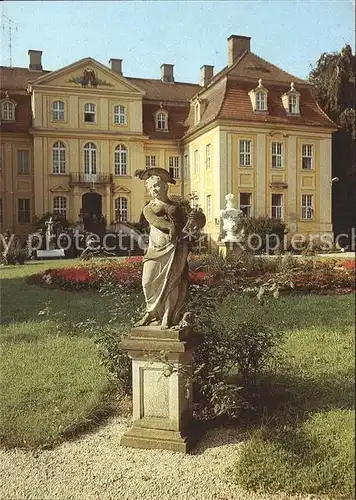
(270, 230)
(16, 253)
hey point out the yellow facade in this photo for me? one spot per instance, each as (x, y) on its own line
(209, 159)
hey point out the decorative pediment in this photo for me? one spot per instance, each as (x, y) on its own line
(60, 189)
(121, 189)
(87, 74)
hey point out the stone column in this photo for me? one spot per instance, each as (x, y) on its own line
(162, 390)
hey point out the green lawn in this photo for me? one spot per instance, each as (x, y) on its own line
(303, 437)
(52, 381)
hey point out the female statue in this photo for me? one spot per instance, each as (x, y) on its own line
(165, 268)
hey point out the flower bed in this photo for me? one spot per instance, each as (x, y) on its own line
(309, 276)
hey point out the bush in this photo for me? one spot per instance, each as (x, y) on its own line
(16, 253)
(270, 230)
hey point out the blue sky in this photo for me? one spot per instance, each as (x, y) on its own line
(145, 34)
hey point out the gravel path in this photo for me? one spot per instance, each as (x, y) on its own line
(96, 467)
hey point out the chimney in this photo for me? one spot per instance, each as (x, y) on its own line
(116, 65)
(206, 74)
(167, 73)
(236, 46)
(35, 60)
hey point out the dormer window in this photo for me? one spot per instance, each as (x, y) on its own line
(291, 101)
(260, 101)
(258, 97)
(8, 110)
(196, 110)
(162, 120)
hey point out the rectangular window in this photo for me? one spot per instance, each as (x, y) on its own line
(174, 166)
(119, 115)
(196, 161)
(208, 206)
(245, 153)
(277, 206)
(23, 162)
(89, 113)
(293, 104)
(245, 204)
(208, 156)
(186, 164)
(1, 212)
(307, 207)
(150, 161)
(307, 156)
(277, 155)
(24, 210)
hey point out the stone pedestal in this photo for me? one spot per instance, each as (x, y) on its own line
(230, 248)
(162, 392)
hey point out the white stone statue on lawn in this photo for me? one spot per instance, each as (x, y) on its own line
(165, 268)
(230, 216)
(49, 233)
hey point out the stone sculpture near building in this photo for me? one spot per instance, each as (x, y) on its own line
(230, 216)
(50, 234)
(162, 342)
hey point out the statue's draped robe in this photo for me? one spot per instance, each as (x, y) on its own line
(165, 276)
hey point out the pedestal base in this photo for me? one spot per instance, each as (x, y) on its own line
(183, 442)
(162, 389)
(230, 248)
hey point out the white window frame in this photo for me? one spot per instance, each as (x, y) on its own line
(277, 209)
(174, 166)
(60, 206)
(208, 156)
(208, 207)
(151, 161)
(90, 158)
(161, 120)
(246, 208)
(120, 115)
(277, 155)
(261, 100)
(58, 111)
(307, 207)
(196, 113)
(293, 104)
(196, 161)
(58, 158)
(8, 111)
(90, 109)
(122, 209)
(120, 160)
(23, 168)
(307, 154)
(245, 153)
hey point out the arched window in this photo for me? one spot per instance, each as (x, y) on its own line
(121, 209)
(261, 101)
(120, 160)
(58, 158)
(90, 158)
(58, 111)
(7, 111)
(89, 112)
(119, 115)
(60, 205)
(162, 120)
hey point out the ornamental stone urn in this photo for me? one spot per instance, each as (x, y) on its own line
(230, 216)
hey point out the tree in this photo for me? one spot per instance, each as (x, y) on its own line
(334, 82)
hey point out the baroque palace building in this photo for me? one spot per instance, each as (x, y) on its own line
(71, 140)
